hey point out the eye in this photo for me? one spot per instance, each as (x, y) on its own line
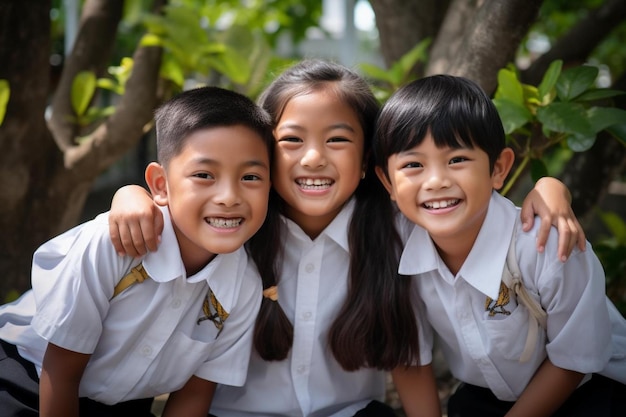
(337, 140)
(251, 177)
(412, 165)
(203, 175)
(290, 139)
(458, 159)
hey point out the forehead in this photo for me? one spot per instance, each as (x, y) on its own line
(224, 144)
(319, 107)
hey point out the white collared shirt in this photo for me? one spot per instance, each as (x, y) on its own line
(483, 348)
(312, 289)
(147, 340)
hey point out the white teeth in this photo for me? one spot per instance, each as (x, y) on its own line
(313, 184)
(222, 223)
(441, 204)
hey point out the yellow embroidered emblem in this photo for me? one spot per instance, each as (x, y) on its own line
(497, 306)
(213, 311)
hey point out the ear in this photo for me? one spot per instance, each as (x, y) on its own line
(502, 167)
(157, 182)
(386, 183)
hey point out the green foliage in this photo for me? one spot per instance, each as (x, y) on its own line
(610, 251)
(385, 82)
(5, 93)
(566, 110)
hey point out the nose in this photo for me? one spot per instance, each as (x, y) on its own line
(436, 179)
(313, 157)
(227, 194)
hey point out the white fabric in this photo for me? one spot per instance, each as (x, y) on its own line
(146, 341)
(312, 288)
(484, 350)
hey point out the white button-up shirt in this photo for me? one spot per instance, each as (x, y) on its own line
(312, 289)
(147, 340)
(484, 349)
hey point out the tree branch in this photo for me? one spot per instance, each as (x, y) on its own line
(580, 41)
(125, 127)
(92, 50)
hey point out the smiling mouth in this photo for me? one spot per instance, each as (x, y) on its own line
(435, 205)
(314, 184)
(224, 223)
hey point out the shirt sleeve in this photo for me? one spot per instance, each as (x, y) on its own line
(573, 296)
(73, 277)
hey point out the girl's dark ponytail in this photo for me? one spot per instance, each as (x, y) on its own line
(273, 332)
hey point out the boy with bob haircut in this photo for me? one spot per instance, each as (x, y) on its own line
(525, 333)
(181, 320)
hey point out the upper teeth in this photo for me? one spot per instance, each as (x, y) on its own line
(316, 181)
(440, 204)
(224, 223)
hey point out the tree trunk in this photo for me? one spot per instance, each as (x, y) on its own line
(46, 180)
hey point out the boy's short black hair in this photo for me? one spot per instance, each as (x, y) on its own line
(205, 108)
(455, 110)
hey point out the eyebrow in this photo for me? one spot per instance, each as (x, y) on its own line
(250, 163)
(335, 126)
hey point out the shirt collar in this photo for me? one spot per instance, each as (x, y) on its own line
(337, 230)
(484, 265)
(166, 265)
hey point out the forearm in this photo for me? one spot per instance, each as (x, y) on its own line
(417, 389)
(192, 400)
(549, 388)
(61, 374)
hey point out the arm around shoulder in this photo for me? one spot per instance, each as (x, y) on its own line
(417, 389)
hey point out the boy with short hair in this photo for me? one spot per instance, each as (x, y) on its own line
(184, 322)
(441, 154)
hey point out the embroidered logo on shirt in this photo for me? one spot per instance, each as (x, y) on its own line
(213, 311)
(497, 306)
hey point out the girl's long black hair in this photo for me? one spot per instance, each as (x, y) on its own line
(375, 326)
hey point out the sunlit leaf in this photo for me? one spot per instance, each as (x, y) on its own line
(549, 79)
(5, 94)
(83, 89)
(509, 87)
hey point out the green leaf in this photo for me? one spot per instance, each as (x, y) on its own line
(413, 56)
(602, 117)
(151, 39)
(171, 70)
(509, 87)
(512, 114)
(83, 89)
(375, 73)
(233, 65)
(538, 169)
(580, 143)
(599, 94)
(549, 79)
(565, 118)
(5, 94)
(618, 132)
(615, 224)
(575, 81)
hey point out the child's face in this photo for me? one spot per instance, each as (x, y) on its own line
(217, 189)
(444, 190)
(318, 158)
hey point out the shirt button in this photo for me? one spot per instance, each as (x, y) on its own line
(301, 369)
(307, 315)
(309, 268)
(146, 351)
(176, 303)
